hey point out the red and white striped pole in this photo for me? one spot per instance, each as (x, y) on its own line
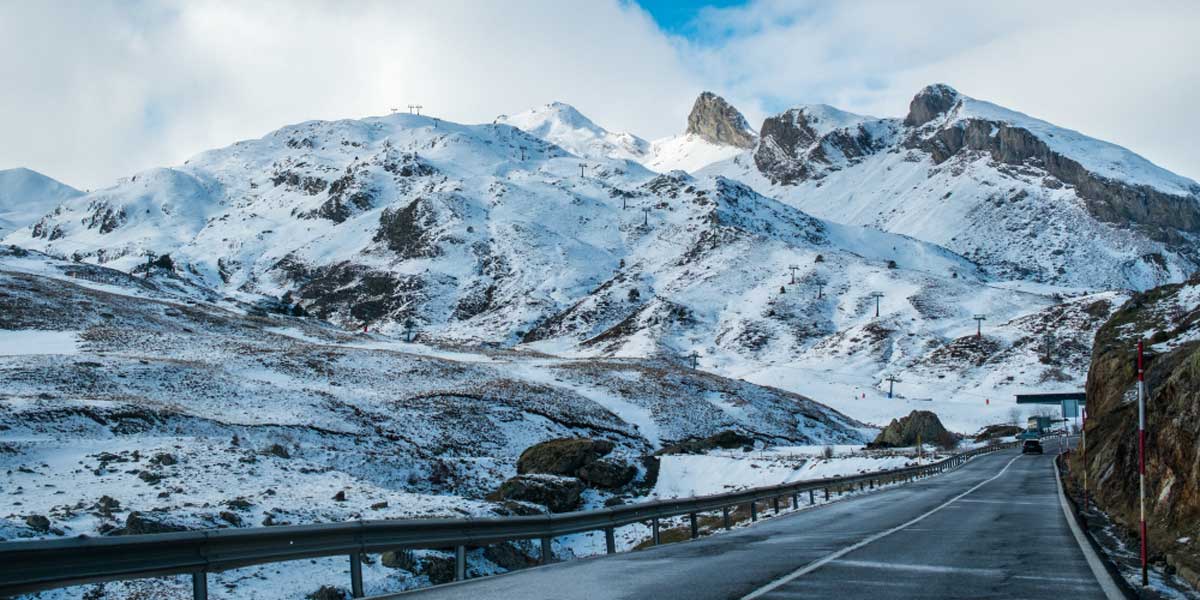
(1141, 389)
(1083, 442)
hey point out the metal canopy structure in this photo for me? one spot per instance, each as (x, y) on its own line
(1069, 401)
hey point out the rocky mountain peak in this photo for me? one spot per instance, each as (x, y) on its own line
(715, 120)
(930, 103)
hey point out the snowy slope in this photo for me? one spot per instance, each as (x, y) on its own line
(687, 152)
(26, 195)
(1024, 199)
(195, 411)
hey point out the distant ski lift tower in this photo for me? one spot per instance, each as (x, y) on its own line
(582, 166)
(395, 110)
(695, 359)
(646, 212)
(1048, 342)
(415, 109)
(876, 296)
(892, 381)
(979, 319)
(793, 268)
(820, 289)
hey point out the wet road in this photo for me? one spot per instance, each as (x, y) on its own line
(993, 528)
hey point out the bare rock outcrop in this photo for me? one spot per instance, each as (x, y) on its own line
(715, 120)
(919, 424)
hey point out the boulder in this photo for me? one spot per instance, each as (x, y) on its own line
(327, 592)
(38, 523)
(607, 473)
(558, 494)
(992, 432)
(437, 566)
(727, 439)
(510, 556)
(564, 456)
(906, 430)
(137, 523)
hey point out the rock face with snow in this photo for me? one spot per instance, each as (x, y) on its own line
(804, 143)
(1116, 186)
(26, 195)
(1021, 197)
(716, 121)
(1170, 317)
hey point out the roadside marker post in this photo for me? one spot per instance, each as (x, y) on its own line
(1141, 396)
(1083, 450)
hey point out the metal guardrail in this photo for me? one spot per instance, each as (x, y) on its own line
(30, 566)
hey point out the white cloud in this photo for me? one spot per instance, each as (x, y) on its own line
(106, 89)
(97, 90)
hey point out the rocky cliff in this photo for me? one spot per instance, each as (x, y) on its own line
(715, 120)
(1158, 213)
(1169, 318)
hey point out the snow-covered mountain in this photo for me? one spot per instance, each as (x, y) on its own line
(26, 195)
(1021, 197)
(486, 233)
(564, 126)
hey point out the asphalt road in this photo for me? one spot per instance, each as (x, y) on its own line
(993, 528)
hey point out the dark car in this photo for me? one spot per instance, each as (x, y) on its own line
(1031, 447)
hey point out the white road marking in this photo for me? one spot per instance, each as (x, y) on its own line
(872, 564)
(1011, 502)
(817, 564)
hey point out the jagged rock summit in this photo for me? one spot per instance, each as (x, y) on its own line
(931, 102)
(715, 120)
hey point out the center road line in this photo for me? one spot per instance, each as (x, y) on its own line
(817, 564)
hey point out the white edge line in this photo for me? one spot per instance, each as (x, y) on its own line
(1111, 590)
(810, 567)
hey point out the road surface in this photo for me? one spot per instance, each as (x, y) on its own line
(993, 528)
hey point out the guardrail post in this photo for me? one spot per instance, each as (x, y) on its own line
(547, 553)
(795, 500)
(460, 563)
(811, 499)
(356, 586)
(200, 585)
(753, 510)
(725, 517)
(654, 530)
(610, 540)
(694, 525)
(775, 504)
(827, 494)
(871, 484)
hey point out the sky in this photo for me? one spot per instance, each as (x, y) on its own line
(96, 90)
